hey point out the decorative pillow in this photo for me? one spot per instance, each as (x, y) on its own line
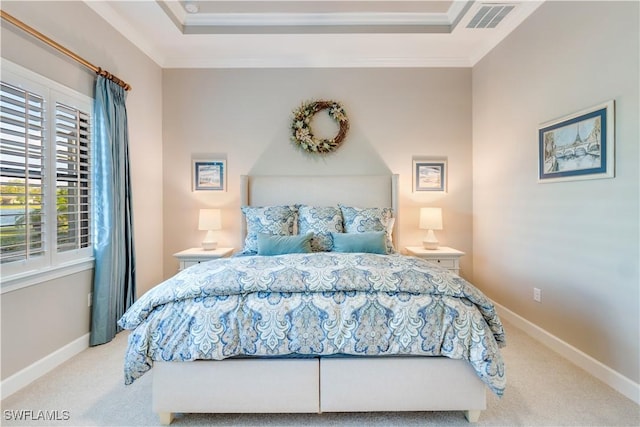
(274, 220)
(368, 241)
(390, 228)
(322, 221)
(269, 244)
(360, 220)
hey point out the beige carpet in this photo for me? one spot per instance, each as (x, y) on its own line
(543, 389)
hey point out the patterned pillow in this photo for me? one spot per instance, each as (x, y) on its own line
(274, 220)
(322, 221)
(360, 220)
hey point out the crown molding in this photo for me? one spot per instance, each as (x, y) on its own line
(316, 62)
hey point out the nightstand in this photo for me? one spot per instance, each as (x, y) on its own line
(444, 256)
(195, 256)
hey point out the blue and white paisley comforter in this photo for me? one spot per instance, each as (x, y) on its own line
(315, 304)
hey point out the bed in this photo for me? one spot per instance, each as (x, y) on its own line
(332, 328)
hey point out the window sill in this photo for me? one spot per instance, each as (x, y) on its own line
(35, 277)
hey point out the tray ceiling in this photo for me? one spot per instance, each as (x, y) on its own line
(314, 33)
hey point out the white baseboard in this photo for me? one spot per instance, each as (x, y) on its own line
(599, 370)
(34, 371)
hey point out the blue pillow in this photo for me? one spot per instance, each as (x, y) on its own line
(359, 220)
(370, 241)
(277, 245)
(278, 220)
(321, 221)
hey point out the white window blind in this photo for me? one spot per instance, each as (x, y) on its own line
(45, 174)
(22, 169)
(73, 178)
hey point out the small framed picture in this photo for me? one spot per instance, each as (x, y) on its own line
(209, 175)
(578, 146)
(430, 175)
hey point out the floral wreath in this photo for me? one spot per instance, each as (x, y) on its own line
(302, 133)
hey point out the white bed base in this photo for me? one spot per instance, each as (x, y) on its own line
(317, 385)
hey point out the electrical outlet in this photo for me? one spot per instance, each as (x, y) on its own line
(537, 295)
(89, 299)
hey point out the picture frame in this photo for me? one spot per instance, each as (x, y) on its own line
(209, 175)
(578, 146)
(430, 175)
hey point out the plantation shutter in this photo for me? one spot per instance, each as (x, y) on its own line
(22, 173)
(73, 178)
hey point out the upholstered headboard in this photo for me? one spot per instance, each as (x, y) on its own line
(354, 190)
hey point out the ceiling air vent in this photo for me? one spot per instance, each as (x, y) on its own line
(490, 14)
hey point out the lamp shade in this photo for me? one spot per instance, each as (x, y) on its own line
(431, 218)
(209, 219)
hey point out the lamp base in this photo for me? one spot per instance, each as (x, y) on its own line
(209, 246)
(430, 245)
(209, 243)
(430, 241)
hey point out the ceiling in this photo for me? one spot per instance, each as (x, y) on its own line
(314, 33)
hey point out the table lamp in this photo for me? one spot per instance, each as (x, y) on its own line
(209, 220)
(430, 219)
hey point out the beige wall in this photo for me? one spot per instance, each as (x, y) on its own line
(245, 115)
(63, 316)
(40, 319)
(577, 241)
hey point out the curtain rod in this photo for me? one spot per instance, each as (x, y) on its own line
(104, 73)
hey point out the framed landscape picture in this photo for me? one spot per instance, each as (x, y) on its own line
(209, 175)
(578, 146)
(430, 175)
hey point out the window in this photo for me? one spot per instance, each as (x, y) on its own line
(45, 173)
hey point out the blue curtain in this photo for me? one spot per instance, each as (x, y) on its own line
(114, 284)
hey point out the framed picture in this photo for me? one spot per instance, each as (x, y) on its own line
(209, 175)
(578, 146)
(430, 175)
